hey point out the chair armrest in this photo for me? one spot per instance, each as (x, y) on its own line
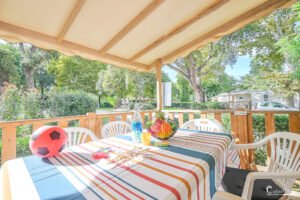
(250, 145)
(252, 176)
(261, 142)
(220, 195)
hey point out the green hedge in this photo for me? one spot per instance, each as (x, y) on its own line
(18, 104)
(68, 103)
(197, 106)
(281, 124)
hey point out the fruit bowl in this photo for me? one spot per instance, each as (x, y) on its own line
(162, 128)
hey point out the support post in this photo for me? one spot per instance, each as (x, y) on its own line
(159, 85)
(242, 127)
(270, 128)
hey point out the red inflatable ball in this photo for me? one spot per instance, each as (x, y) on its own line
(48, 141)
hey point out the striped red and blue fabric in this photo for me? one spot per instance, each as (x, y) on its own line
(190, 168)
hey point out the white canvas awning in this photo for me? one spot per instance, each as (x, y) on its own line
(128, 33)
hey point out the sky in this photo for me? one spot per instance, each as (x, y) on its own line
(240, 68)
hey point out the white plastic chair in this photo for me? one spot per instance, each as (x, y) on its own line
(78, 135)
(203, 124)
(284, 166)
(115, 128)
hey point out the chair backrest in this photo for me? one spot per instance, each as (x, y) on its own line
(78, 135)
(203, 124)
(115, 128)
(285, 154)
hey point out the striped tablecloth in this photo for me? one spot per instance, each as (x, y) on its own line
(190, 168)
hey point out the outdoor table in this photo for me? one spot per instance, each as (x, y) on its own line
(190, 168)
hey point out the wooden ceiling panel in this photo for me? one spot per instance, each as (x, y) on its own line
(128, 33)
(168, 16)
(100, 20)
(211, 21)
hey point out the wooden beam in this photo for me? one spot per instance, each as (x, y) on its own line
(229, 27)
(203, 13)
(132, 24)
(72, 16)
(159, 85)
(19, 34)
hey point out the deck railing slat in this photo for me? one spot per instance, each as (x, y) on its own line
(9, 140)
(218, 117)
(294, 122)
(270, 128)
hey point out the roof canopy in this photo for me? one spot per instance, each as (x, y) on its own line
(127, 33)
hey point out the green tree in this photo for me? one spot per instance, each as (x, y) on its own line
(75, 73)
(165, 77)
(32, 58)
(272, 45)
(9, 64)
(43, 80)
(141, 85)
(10, 101)
(32, 106)
(175, 93)
(118, 84)
(211, 59)
(215, 84)
(113, 82)
(184, 89)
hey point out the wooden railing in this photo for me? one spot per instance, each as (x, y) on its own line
(92, 121)
(241, 126)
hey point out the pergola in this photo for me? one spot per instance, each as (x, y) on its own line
(136, 34)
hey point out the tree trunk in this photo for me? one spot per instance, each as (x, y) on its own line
(29, 78)
(99, 100)
(199, 97)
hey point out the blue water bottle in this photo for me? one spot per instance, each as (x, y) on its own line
(137, 127)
